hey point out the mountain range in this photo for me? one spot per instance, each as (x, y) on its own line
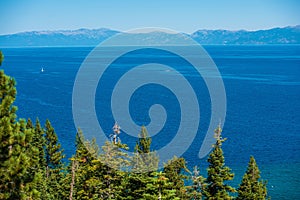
(92, 37)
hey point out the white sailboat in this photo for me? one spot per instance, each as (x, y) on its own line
(42, 70)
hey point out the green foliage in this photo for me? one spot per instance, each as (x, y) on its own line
(18, 157)
(174, 172)
(85, 174)
(1, 58)
(54, 153)
(96, 176)
(159, 187)
(115, 161)
(144, 160)
(144, 142)
(39, 141)
(54, 166)
(218, 172)
(195, 190)
(143, 163)
(251, 188)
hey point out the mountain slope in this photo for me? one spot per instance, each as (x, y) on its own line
(88, 37)
(287, 35)
(80, 37)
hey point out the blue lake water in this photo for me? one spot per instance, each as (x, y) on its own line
(262, 86)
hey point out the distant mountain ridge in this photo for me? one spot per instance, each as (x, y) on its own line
(80, 37)
(92, 37)
(286, 35)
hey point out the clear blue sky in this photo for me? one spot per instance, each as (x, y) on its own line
(180, 15)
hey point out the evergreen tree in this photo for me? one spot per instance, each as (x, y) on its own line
(54, 153)
(54, 166)
(195, 190)
(32, 176)
(115, 163)
(1, 58)
(29, 124)
(18, 157)
(84, 152)
(85, 173)
(97, 176)
(144, 160)
(174, 170)
(143, 163)
(39, 141)
(144, 143)
(251, 188)
(159, 187)
(218, 172)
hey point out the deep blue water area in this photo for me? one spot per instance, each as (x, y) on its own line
(262, 87)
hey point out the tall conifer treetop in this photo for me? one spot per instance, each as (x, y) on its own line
(215, 187)
(144, 160)
(251, 187)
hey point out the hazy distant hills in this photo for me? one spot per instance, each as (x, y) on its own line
(287, 35)
(80, 37)
(88, 37)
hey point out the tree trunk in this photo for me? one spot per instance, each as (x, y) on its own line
(74, 163)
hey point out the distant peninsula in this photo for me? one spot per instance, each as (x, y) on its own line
(92, 37)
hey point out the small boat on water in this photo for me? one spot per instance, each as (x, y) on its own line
(42, 70)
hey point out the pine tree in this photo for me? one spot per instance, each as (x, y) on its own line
(97, 176)
(159, 187)
(174, 172)
(39, 141)
(115, 164)
(54, 166)
(195, 190)
(251, 188)
(144, 160)
(18, 157)
(218, 172)
(144, 143)
(1, 58)
(54, 153)
(32, 176)
(83, 152)
(143, 163)
(85, 173)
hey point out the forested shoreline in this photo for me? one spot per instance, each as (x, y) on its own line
(32, 167)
